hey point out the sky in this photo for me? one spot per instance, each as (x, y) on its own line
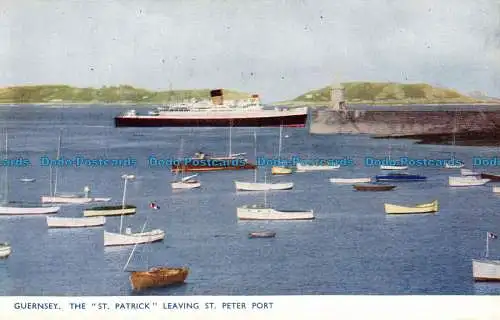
(279, 49)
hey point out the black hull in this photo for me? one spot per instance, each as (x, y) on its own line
(286, 121)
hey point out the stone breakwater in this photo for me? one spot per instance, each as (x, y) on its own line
(405, 123)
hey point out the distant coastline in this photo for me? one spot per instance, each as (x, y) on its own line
(357, 93)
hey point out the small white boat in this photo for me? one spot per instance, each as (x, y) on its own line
(74, 199)
(128, 238)
(5, 250)
(453, 166)
(350, 180)
(393, 167)
(27, 179)
(262, 186)
(306, 167)
(186, 183)
(260, 212)
(468, 172)
(71, 198)
(486, 269)
(19, 211)
(63, 222)
(496, 189)
(467, 181)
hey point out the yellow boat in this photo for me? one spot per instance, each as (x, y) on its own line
(280, 170)
(419, 208)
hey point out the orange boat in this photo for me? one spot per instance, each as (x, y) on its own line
(157, 277)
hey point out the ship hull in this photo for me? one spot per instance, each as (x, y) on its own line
(298, 120)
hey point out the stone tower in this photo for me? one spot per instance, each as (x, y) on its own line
(337, 96)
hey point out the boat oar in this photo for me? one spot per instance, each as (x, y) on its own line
(135, 246)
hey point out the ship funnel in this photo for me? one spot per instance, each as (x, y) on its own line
(217, 97)
(255, 99)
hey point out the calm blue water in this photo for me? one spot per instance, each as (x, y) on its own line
(351, 248)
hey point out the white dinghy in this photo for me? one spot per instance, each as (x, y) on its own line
(186, 183)
(84, 222)
(306, 167)
(350, 180)
(5, 250)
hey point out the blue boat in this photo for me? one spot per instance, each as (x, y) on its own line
(400, 177)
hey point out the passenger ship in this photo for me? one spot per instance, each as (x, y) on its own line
(216, 113)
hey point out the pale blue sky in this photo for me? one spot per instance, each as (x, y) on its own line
(279, 49)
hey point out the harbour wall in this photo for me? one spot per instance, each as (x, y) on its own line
(396, 121)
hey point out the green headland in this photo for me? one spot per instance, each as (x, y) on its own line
(388, 93)
(61, 94)
(374, 93)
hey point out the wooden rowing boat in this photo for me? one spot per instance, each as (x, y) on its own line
(419, 208)
(373, 187)
(157, 277)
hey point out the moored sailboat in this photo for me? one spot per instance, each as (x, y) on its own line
(6, 209)
(486, 269)
(280, 170)
(202, 162)
(185, 182)
(261, 186)
(69, 198)
(129, 238)
(265, 212)
(454, 163)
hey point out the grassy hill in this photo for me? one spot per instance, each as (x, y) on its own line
(117, 94)
(385, 93)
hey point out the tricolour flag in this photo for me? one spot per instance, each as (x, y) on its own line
(491, 235)
(154, 206)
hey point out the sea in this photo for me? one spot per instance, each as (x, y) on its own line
(352, 247)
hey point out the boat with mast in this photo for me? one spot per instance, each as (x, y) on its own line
(265, 212)
(156, 277)
(129, 238)
(113, 210)
(67, 198)
(259, 186)
(185, 182)
(202, 162)
(216, 113)
(280, 170)
(486, 269)
(6, 208)
(454, 163)
(391, 166)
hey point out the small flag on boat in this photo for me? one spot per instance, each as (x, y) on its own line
(154, 206)
(491, 235)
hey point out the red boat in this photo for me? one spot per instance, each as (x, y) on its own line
(492, 177)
